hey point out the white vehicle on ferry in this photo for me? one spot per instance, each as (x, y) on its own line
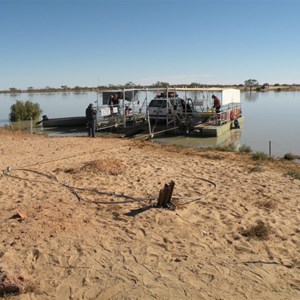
(166, 105)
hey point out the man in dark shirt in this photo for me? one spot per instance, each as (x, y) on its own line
(90, 115)
(114, 102)
(217, 103)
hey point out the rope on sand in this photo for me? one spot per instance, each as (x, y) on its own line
(270, 263)
(75, 190)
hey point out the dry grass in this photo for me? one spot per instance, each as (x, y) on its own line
(267, 204)
(260, 156)
(9, 131)
(256, 168)
(294, 174)
(260, 231)
(105, 166)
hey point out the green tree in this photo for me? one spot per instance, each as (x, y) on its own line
(251, 83)
(13, 90)
(194, 85)
(160, 84)
(130, 84)
(21, 111)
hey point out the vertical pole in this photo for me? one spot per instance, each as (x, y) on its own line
(175, 113)
(146, 98)
(270, 149)
(185, 112)
(97, 100)
(167, 119)
(124, 114)
(133, 106)
(149, 125)
(31, 127)
(185, 106)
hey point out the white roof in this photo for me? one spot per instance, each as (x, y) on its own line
(231, 96)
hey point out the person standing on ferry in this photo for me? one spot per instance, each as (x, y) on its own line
(217, 103)
(91, 115)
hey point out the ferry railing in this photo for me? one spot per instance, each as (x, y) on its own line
(109, 116)
(227, 114)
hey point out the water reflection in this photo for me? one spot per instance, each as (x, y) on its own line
(251, 96)
(230, 137)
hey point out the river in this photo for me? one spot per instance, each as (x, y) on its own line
(269, 117)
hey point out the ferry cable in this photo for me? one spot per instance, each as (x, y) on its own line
(191, 200)
(63, 158)
(74, 190)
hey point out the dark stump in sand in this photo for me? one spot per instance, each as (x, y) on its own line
(11, 284)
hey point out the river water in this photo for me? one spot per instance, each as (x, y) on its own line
(269, 118)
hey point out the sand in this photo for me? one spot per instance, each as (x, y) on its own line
(78, 221)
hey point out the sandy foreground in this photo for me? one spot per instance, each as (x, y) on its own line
(78, 221)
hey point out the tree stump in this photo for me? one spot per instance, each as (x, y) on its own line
(165, 195)
(11, 283)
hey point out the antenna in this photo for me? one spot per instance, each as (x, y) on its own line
(97, 101)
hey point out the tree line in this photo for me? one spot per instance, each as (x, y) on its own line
(249, 84)
(128, 85)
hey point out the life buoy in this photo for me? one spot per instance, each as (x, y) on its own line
(233, 114)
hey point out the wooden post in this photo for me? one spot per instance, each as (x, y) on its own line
(31, 127)
(160, 198)
(169, 193)
(165, 195)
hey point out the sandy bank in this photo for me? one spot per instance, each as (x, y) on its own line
(90, 229)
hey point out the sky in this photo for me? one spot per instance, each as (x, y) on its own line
(50, 43)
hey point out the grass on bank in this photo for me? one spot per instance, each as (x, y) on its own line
(227, 148)
(294, 174)
(260, 156)
(245, 149)
(231, 147)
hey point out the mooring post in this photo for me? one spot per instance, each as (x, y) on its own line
(270, 149)
(170, 192)
(31, 127)
(160, 198)
(165, 195)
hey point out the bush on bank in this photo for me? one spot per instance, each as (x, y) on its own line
(21, 111)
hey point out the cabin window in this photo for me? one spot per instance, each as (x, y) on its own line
(158, 103)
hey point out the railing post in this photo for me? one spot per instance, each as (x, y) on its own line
(124, 114)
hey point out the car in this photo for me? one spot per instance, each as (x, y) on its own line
(161, 108)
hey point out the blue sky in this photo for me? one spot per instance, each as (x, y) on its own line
(86, 43)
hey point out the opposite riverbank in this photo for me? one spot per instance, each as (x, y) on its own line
(259, 88)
